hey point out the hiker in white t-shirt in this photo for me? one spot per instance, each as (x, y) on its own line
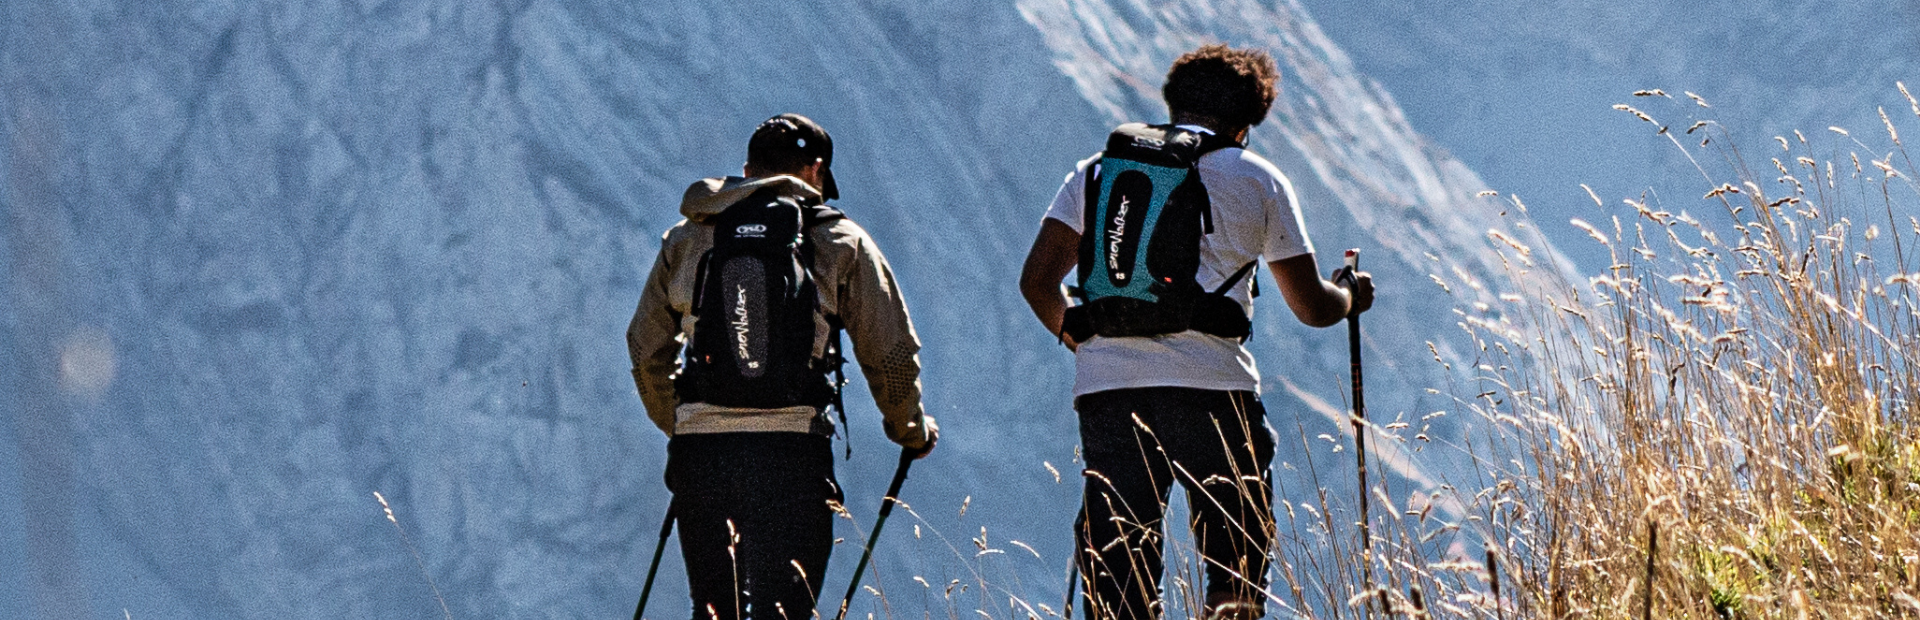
(1166, 227)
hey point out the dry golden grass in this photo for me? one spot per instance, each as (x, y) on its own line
(1720, 425)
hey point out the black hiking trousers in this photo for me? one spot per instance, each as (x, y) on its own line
(1137, 444)
(755, 527)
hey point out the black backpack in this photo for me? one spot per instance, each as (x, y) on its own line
(1140, 240)
(756, 307)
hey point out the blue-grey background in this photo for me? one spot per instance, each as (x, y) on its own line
(264, 259)
(1521, 91)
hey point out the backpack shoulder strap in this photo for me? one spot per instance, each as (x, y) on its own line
(813, 217)
(837, 359)
(1237, 275)
(1210, 142)
(1090, 194)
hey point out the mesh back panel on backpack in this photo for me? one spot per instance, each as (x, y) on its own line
(755, 306)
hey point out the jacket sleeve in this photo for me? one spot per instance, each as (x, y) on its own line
(653, 341)
(875, 315)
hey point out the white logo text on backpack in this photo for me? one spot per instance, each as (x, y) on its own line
(742, 325)
(751, 230)
(1114, 235)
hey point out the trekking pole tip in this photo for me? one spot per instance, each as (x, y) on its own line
(1353, 258)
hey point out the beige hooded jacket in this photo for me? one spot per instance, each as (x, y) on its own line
(855, 284)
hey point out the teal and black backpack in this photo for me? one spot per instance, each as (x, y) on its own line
(1140, 240)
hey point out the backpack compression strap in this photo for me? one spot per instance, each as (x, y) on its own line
(835, 358)
(1217, 314)
(1235, 278)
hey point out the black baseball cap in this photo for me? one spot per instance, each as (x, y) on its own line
(795, 138)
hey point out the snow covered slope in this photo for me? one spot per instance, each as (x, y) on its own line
(264, 259)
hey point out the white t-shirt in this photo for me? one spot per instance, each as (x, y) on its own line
(1255, 218)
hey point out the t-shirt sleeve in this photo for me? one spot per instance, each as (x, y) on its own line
(1070, 203)
(1286, 230)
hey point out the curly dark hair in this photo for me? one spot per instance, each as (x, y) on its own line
(1234, 86)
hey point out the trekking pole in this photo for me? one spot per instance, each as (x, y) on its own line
(666, 529)
(886, 508)
(1360, 427)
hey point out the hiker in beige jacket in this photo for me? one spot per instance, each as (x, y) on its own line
(766, 474)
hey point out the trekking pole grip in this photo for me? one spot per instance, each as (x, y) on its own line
(1347, 275)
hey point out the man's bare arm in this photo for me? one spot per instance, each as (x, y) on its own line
(1055, 252)
(1316, 301)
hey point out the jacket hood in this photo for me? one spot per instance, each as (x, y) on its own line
(708, 197)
